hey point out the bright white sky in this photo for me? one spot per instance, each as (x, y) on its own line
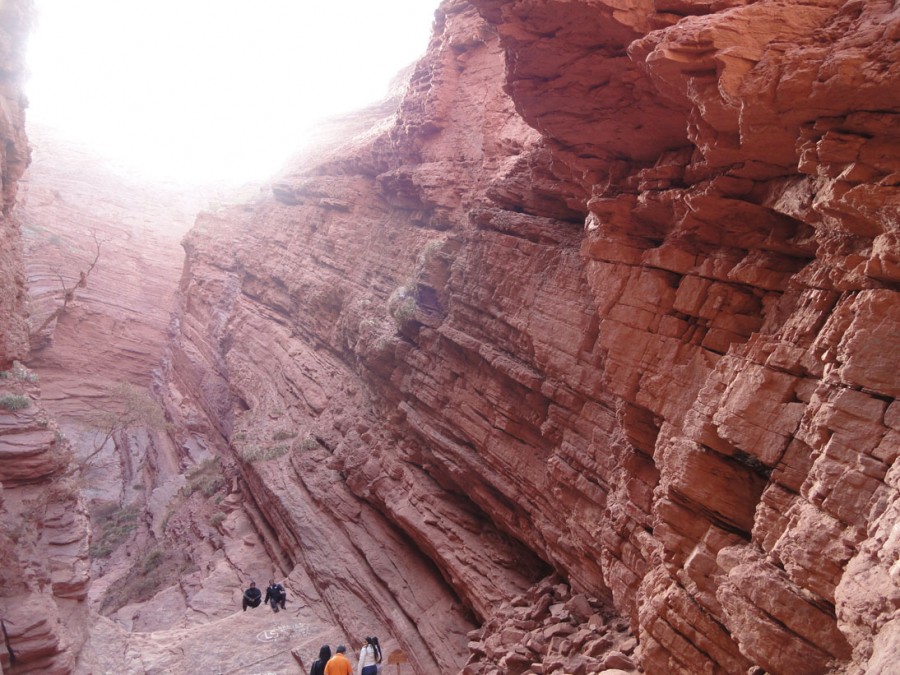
(200, 90)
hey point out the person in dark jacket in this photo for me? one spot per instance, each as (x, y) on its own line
(275, 595)
(318, 666)
(252, 596)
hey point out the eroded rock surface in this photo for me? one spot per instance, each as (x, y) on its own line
(613, 294)
(44, 565)
(104, 259)
(14, 155)
(578, 354)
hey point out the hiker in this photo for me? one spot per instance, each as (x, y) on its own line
(252, 596)
(338, 664)
(369, 657)
(318, 666)
(275, 595)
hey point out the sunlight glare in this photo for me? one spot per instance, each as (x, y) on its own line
(213, 90)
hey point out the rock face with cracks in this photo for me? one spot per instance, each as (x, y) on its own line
(44, 562)
(610, 293)
(578, 354)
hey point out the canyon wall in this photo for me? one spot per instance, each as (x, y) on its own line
(103, 260)
(44, 569)
(14, 156)
(610, 294)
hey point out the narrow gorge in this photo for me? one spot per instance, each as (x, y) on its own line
(578, 353)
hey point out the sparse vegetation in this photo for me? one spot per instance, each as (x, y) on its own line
(115, 525)
(13, 402)
(283, 435)
(68, 286)
(157, 568)
(402, 304)
(368, 324)
(19, 373)
(170, 511)
(207, 477)
(151, 560)
(309, 442)
(133, 409)
(427, 253)
(217, 518)
(258, 453)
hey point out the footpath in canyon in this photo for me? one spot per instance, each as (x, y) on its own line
(576, 354)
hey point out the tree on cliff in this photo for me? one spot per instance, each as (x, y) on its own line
(131, 408)
(68, 288)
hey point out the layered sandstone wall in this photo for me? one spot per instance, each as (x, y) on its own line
(44, 569)
(103, 261)
(612, 295)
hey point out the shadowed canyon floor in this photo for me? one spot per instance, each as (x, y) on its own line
(576, 354)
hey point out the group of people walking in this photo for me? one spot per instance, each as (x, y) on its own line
(276, 596)
(369, 660)
(327, 664)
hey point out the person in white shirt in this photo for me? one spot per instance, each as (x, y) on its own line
(369, 657)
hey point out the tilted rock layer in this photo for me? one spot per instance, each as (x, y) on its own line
(112, 242)
(613, 294)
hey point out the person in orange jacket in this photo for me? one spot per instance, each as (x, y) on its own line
(338, 664)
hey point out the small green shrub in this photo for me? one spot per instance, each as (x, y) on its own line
(368, 324)
(402, 305)
(206, 477)
(170, 511)
(427, 253)
(258, 453)
(19, 373)
(283, 435)
(115, 524)
(14, 402)
(217, 518)
(151, 560)
(309, 442)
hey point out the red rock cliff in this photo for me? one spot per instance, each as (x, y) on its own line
(612, 294)
(43, 527)
(14, 25)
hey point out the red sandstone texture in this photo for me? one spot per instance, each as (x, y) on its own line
(579, 356)
(103, 261)
(613, 295)
(81, 216)
(44, 567)
(14, 155)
